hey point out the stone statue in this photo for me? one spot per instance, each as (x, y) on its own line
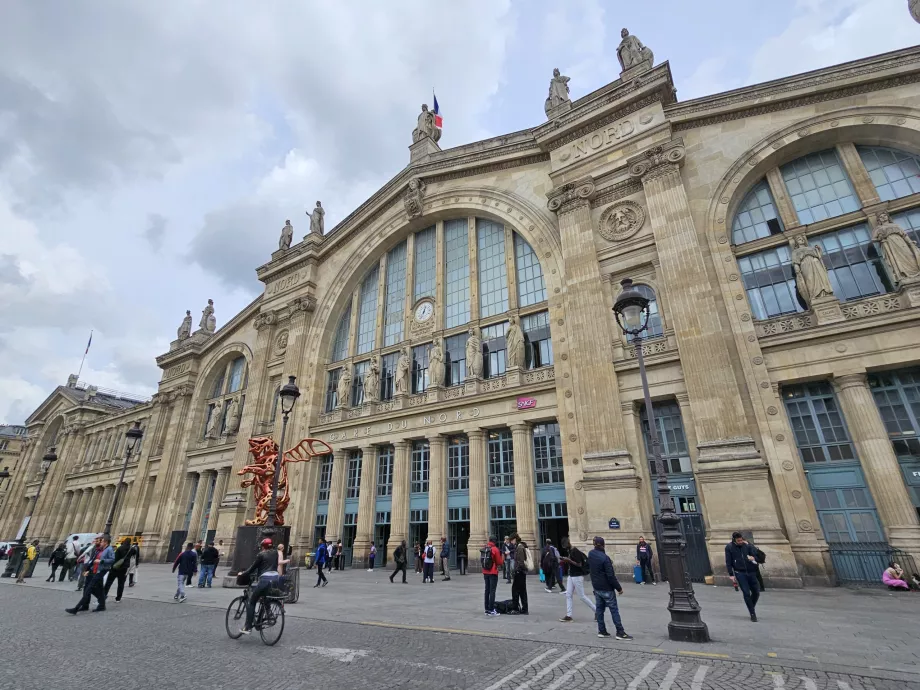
(208, 323)
(317, 224)
(213, 428)
(810, 273)
(914, 7)
(185, 330)
(558, 91)
(902, 256)
(474, 354)
(372, 381)
(344, 388)
(426, 126)
(233, 416)
(287, 234)
(402, 372)
(514, 343)
(436, 364)
(631, 52)
(414, 199)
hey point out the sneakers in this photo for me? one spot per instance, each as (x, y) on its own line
(623, 636)
(246, 631)
(642, 583)
(548, 590)
(567, 619)
(176, 596)
(182, 599)
(325, 582)
(317, 585)
(753, 618)
(72, 612)
(654, 584)
(493, 613)
(603, 634)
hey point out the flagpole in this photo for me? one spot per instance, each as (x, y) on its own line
(84, 354)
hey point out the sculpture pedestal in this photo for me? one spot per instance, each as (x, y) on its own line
(422, 149)
(827, 310)
(246, 547)
(635, 70)
(910, 292)
(561, 109)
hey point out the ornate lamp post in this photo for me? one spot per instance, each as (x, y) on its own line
(19, 549)
(632, 313)
(289, 393)
(133, 436)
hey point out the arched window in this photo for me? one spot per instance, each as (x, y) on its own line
(340, 344)
(819, 187)
(367, 313)
(757, 216)
(895, 173)
(654, 328)
(394, 307)
(228, 390)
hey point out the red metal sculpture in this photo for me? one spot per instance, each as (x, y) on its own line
(264, 452)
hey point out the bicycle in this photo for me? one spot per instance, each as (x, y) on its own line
(269, 616)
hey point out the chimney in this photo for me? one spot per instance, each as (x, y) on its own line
(72, 381)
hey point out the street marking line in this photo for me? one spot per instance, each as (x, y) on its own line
(426, 628)
(642, 675)
(697, 683)
(809, 683)
(669, 677)
(843, 685)
(657, 649)
(547, 670)
(772, 655)
(779, 681)
(708, 655)
(337, 653)
(571, 672)
(536, 660)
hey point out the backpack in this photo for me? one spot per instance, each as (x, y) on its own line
(485, 556)
(506, 606)
(429, 552)
(760, 556)
(528, 560)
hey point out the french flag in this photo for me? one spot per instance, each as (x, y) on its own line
(438, 120)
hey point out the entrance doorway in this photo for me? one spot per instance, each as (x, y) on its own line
(458, 535)
(381, 537)
(501, 529)
(553, 521)
(694, 533)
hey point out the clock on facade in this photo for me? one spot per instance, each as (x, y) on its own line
(423, 312)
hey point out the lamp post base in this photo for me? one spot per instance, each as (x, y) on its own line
(14, 558)
(246, 548)
(687, 627)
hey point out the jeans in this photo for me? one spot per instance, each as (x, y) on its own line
(370, 562)
(121, 576)
(93, 588)
(748, 584)
(519, 591)
(576, 583)
(180, 585)
(506, 567)
(207, 574)
(647, 574)
(445, 567)
(264, 584)
(399, 566)
(551, 576)
(72, 571)
(607, 600)
(491, 584)
(428, 570)
(320, 576)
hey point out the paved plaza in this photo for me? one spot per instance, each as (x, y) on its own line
(363, 632)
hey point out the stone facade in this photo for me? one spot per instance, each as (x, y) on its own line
(785, 408)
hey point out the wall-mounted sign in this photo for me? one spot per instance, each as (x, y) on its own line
(613, 523)
(526, 403)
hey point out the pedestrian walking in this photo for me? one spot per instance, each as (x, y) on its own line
(58, 556)
(187, 565)
(399, 558)
(282, 561)
(72, 549)
(644, 561)
(209, 558)
(119, 570)
(134, 558)
(741, 564)
(428, 559)
(333, 552)
(418, 557)
(321, 558)
(760, 557)
(491, 560)
(521, 565)
(188, 578)
(445, 560)
(606, 587)
(99, 562)
(549, 561)
(371, 557)
(83, 562)
(577, 564)
(26, 564)
(508, 555)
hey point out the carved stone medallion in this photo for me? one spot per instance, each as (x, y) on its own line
(621, 221)
(281, 342)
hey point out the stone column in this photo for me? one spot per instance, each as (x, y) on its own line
(81, 523)
(437, 489)
(879, 462)
(729, 464)
(71, 523)
(62, 517)
(140, 520)
(47, 511)
(399, 512)
(366, 507)
(525, 496)
(336, 516)
(201, 497)
(859, 176)
(102, 510)
(479, 496)
(223, 476)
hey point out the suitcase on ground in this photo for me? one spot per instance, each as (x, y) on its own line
(506, 606)
(637, 574)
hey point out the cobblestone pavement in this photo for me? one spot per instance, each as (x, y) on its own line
(400, 636)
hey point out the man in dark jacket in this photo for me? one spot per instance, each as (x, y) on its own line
(741, 564)
(519, 568)
(209, 558)
(119, 569)
(400, 557)
(549, 562)
(445, 559)
(265, 569)
(99, 561)
(187, 564)
(644, 561)
(606, 587)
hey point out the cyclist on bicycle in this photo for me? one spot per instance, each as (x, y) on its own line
(265, 568)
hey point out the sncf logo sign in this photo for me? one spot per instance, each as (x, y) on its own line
(526, 403)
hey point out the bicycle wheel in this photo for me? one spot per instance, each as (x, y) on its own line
(272, 621)
(236, 617)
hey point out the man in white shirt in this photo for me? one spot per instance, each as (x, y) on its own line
(71, 551)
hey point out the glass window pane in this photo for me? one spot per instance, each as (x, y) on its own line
(818, 186)
(367, 312)
(493, 275)
(340, 343)
(455, 358)
(236, 374)
(396, 295)
(854, 267)
(425, 246)
(456, 273)
(547, 454)
(757, 216)
(770, 283)
(895, 173)
(531, 288)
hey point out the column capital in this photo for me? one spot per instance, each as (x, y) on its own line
(682, 398)
(570, 196)
(521, 427)
(477, 434)
(368, 449)
(437, 439)
(629, 407)
(845, 381)
(402, 444)
(224, 471)
(658, 160)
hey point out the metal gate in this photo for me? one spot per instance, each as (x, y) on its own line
(862, 563)
(176, 545)
(694, 533)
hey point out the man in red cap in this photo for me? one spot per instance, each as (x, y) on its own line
(265, 568)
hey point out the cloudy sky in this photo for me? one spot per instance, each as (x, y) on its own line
(150, 152)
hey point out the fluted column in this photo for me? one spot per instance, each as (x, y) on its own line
(102, 510)
(336, 515)
(73, 515)
(220, 488)
(124, 498)
(525, 496)
(879, 462)
(201, 496)
(366, 507)
(63, 515)
(437, 489)
(479, 495)
(399, 512)
(79, 523)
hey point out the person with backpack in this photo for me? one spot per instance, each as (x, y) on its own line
(119, 570)
(333, 552)
(187, 564)
(83, 561)
(209, 558)
(644, 561)
(418, 557)
(445, 560)
(523, 564)
(399, 558)
(321, 558)
(134, 558)
(606, 587)
(549, 561)
(71, 553)
(577, 564)
(741, 564)
(57, 559)
(99, 562)
(760, 557)
(428, 558)
(371, 557)
(491, 559)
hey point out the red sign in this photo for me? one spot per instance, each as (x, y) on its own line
(526, 403)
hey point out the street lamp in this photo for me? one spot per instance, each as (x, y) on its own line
(632, 314)
(133, 436)
(289, 393)
(19, 549)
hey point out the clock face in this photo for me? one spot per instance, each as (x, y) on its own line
(423, 312)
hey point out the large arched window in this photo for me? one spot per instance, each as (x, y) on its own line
(820, 187)
(224, 407)
(655, 327)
